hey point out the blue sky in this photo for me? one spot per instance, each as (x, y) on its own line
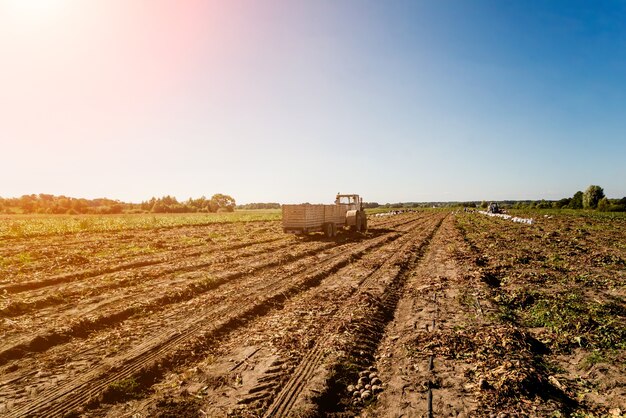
(293, 101)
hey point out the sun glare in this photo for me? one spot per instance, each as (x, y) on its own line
(33, 10)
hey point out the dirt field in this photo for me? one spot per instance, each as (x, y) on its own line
(451, 312)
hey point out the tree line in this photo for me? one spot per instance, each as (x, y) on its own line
(168, 204)
(592, 198)
(270, 205)
(50, 204)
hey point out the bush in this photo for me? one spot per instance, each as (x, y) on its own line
(577, 201)
(617, 208)
(592, 196)
(563, 203)
(543, 204)
(604, 205)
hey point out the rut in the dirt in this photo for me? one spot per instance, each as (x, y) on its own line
(152, 357)
(78, 257)
(364, 319)
(119, 311)
(94, 273)
(284, 337)
(127, 295)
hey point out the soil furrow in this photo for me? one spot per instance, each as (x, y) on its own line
(86, 325)
(382, 298)
(137, 360)
(98, 285)
(417, 380)
(85, 274)
(461, 315)
(336, 288)
(52, 258)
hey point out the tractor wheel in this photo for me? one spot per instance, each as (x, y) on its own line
(363, 224)
(328, 230)
(357, 226)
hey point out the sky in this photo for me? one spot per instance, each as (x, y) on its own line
(293, 101)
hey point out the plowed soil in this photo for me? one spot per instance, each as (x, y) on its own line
(446, 314)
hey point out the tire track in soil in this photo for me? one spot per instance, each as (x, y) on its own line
(94, 273)
(86, 325)
(69, 295)
(305, 392)
(332, 292)
(440, 295)
(382, 223)
(272, 356)
(167, 257)
(81, 320)
(162, 349)
(399, 220)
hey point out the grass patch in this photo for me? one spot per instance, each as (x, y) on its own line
(178, 408)
(573, 320)
(593, 358)
(122, 390)
(24, 258)
(191, 241)
(467, 298)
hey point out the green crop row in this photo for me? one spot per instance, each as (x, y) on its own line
(17, 226)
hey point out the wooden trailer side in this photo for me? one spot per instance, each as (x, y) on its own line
(335, 214)
(304, 216)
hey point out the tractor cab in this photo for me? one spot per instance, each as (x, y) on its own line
(354, 201)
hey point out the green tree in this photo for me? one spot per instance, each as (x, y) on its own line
(563, 203)
(222, 201)
(592, 196)
(28, 203)
(543, 204)
(577, 201)
(604, 205)
(618, 205)
(116, 208)
(157, 207)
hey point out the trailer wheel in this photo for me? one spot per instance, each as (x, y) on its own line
(334, 234)
(328, 230)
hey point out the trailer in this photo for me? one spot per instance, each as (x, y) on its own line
(347, 212)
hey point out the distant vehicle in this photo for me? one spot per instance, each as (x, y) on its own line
(347, 212)
(494, 208)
